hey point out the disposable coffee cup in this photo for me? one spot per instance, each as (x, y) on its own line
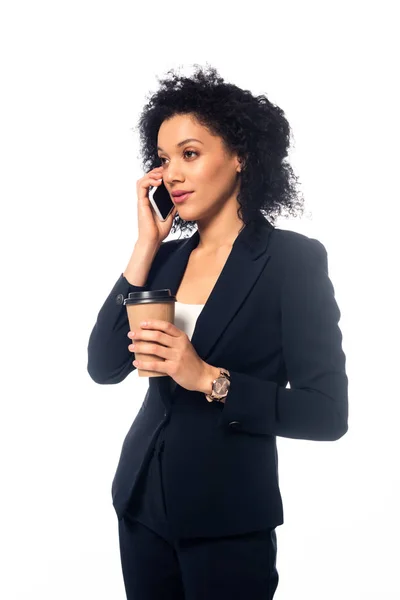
(146, 305)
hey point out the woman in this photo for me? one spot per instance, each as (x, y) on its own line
(196, 489)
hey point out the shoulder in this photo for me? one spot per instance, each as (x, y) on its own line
(167, 247)
(171, 244)
(293, 241)
(297, 249)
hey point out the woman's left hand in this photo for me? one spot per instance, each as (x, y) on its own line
(182, 362)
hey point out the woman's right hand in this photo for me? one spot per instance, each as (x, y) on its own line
(151, 229)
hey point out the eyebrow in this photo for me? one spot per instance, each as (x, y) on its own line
(183, 142)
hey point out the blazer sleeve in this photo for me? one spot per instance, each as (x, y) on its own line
(109, 360)
(315, 407)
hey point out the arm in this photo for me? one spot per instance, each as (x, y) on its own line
(316, 405)
(109, 360)
(139, 265)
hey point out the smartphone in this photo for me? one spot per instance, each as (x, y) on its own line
(160, 200)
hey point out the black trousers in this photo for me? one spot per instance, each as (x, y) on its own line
(156, 567)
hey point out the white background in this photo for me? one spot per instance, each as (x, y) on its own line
(74, 79)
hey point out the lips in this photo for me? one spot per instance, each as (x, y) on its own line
(181, 192)
(181, 198)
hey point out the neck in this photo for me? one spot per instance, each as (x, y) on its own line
(219, 232)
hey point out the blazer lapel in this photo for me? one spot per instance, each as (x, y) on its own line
(243, 267)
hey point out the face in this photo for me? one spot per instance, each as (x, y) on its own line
(203, 166)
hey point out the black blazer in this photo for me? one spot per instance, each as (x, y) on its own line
(271, 318)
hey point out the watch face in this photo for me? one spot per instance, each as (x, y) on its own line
(221, 385)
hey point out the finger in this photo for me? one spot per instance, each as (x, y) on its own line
(149, 348)
(152, 335)
(165, 326)
(152, 365)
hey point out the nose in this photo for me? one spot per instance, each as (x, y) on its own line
(170, 176)
(173, 180)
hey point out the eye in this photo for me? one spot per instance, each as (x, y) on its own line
(191, 152)
(185, 152)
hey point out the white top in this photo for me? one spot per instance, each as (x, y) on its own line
(186, 316)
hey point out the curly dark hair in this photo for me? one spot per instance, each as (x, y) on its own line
(250, 126)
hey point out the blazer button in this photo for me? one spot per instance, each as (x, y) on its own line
(235, 424)
(120, 299)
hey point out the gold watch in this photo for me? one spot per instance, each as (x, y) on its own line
(220, 386)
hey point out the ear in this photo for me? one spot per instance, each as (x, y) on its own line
(241, 164)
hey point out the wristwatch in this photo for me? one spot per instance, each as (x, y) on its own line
(220, 386)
